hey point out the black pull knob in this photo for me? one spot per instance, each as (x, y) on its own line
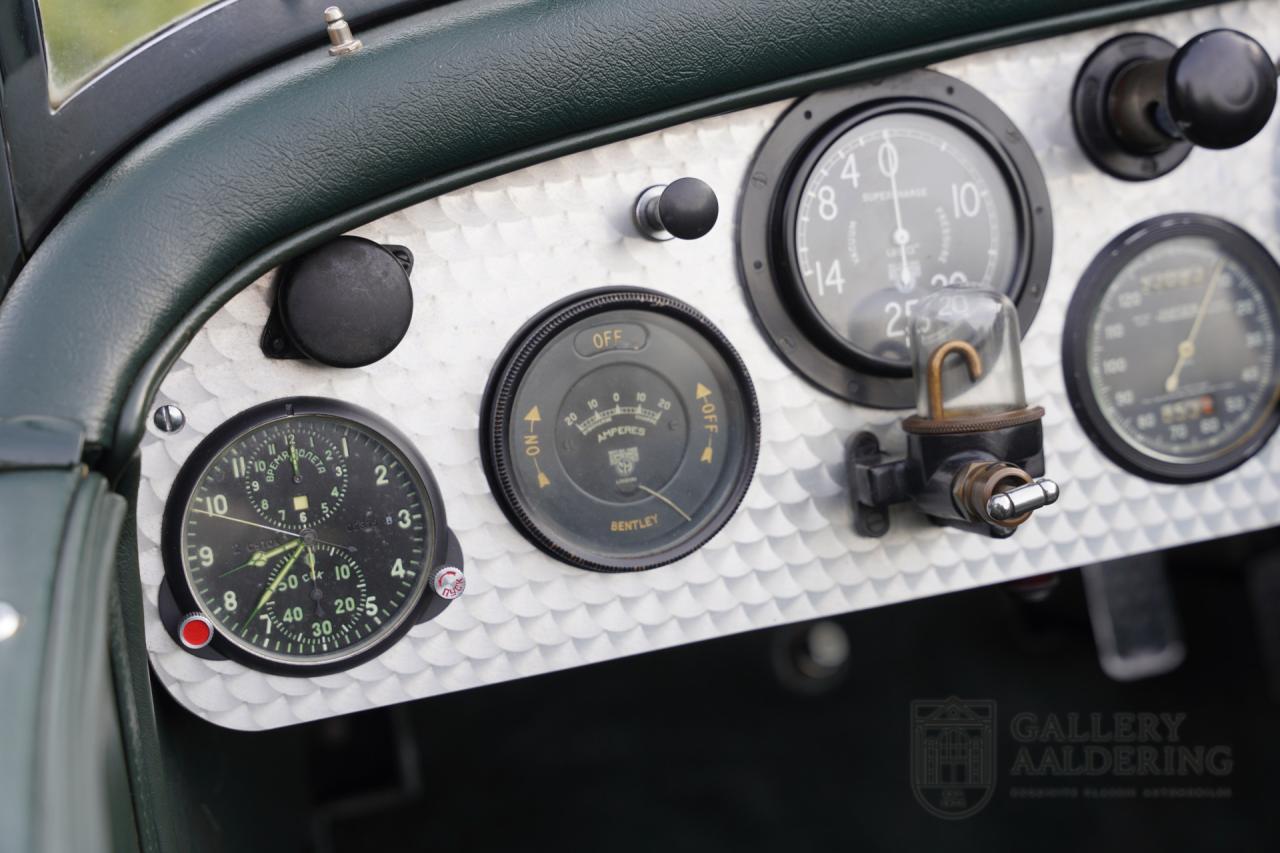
(1221, 89)
(1140, 104)
(345, 304)
(685, 209)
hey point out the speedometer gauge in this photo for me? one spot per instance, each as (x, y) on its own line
(621, 430)
(1170, 349)
(863, 201)
(306, 532)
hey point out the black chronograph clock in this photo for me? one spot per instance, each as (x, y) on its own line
(307, 531)
(865, 200)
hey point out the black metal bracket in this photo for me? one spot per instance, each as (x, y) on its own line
(874, 483)
(924, 476)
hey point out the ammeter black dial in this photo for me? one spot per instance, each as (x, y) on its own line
(1170, 349)
(621, 430)
(865, 200)
(307, 531)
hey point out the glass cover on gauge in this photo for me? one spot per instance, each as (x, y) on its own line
(894, 208)
(1171, 347)
(865, 200)
(621, 430)
(306, 531)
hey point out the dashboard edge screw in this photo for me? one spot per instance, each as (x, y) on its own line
(169, 418)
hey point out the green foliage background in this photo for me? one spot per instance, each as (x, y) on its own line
(83, 35)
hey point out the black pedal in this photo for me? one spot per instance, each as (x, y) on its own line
(1134, 616)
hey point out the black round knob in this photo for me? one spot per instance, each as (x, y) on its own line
(346, 304)
(1222, 89)
(1140, 104)
(685, 209)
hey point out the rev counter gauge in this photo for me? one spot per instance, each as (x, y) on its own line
(1170, 348)
(621, 430)
(865, 200)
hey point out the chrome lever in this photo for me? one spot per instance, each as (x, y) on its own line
(1023, 499)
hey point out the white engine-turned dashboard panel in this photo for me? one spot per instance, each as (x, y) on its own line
(491, 256)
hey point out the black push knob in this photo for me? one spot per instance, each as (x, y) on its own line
(685, 209)
(1221, 89)
(345, 304)
(1140, 104)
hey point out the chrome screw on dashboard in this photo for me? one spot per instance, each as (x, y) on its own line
(169, 418)
(9, 621)
(340, 36)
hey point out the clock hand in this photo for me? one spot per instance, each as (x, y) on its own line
(1187, 347)
(293, 459)
(260, 558)
(317, 595)
(346, 548)
(243, 521)
(298, 548)
(888, 160)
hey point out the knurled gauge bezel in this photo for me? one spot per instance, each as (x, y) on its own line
(504, 384)
(766, 261)
(1094, 284)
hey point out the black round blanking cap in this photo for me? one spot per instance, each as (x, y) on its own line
(347, 303)
(1222, 88)
(688, 208)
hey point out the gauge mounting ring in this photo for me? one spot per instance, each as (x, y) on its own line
(768, 270)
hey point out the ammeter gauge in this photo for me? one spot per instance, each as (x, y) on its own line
(620, 430)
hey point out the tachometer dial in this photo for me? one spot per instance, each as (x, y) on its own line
(306, 531)
(621, 430)
(865, 200)
(1171, 347)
